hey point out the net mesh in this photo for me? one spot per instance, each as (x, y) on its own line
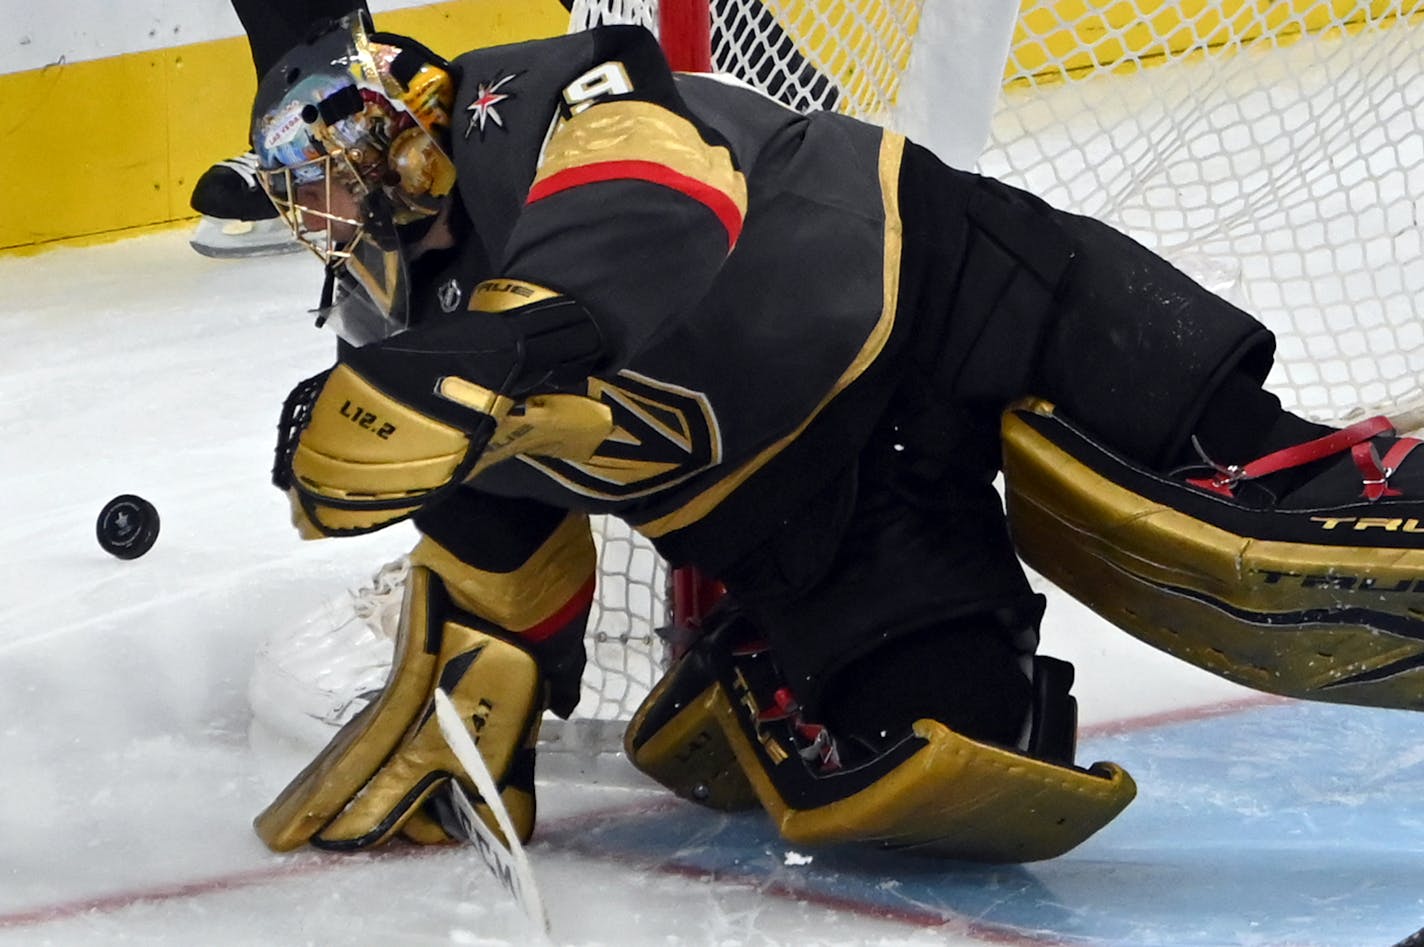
(626, 655)
(1272, 150)
(625, 650)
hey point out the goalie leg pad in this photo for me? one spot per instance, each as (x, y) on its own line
(1316, 604)
(939, 793)
(933, 791)
(676, 738)
(380, 768)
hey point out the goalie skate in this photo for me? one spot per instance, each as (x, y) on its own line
(238, 218)
(309, 681)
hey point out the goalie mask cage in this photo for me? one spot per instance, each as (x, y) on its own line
(1270, 149)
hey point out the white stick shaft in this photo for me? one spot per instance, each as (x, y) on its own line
(468, 755)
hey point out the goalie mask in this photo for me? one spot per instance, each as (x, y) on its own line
(348, 130)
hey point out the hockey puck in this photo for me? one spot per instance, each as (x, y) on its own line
(128, 526)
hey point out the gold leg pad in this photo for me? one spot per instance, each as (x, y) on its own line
(326, 785)
(379, 769)
(1317, 620)
(684, 747)
(952, 798)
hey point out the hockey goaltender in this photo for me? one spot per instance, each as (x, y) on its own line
(794, 351)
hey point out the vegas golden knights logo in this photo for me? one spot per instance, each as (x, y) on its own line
(662, 435)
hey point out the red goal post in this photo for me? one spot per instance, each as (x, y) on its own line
(685, 31)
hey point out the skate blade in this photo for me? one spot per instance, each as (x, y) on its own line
(230, 239)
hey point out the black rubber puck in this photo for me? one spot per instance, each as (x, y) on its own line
(128, 526)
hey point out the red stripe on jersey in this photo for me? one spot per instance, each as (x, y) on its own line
(717, 201)
(559, 620)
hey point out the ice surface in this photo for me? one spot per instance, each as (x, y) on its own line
(130, 780)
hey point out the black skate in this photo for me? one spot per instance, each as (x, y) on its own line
(238, 218)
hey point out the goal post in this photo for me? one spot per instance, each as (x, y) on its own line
(685, 31)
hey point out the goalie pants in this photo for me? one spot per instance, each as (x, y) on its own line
(1010, 298)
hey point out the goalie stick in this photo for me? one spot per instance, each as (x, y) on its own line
(508, 863)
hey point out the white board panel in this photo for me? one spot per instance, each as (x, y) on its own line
(40, 34)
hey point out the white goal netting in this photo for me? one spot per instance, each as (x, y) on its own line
(1272, 149)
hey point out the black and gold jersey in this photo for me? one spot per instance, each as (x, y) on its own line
(741, 261)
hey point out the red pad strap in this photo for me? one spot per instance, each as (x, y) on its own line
(1296, 455)
(1376, 472)
(1367, 461)
(784, 706)
(1396, 454)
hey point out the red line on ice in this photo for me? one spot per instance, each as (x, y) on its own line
(103, 904)
(115, 902)
(1167, 718)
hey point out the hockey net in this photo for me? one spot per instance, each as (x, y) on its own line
(1271, 149)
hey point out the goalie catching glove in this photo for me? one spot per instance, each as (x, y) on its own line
(399, 423)
(377, 775)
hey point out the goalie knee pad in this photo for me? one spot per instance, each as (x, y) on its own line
(1314, 595)
(373, 777)
(930, 790)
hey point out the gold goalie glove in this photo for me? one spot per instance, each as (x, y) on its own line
(398, 423)
(375, 777)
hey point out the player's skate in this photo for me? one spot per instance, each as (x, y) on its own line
(238, 218)
(1313, 593)
(310, 680)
